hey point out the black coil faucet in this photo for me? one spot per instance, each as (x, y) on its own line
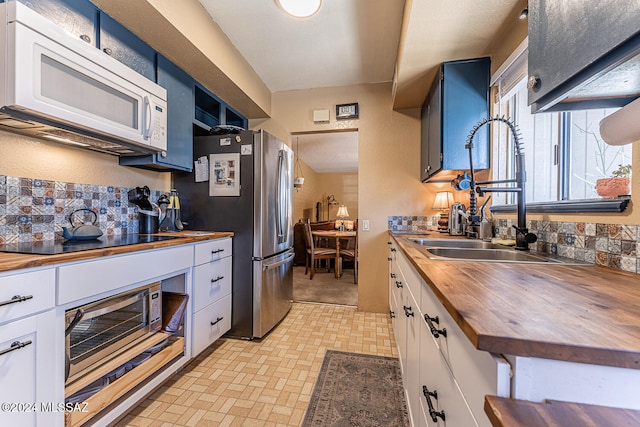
(523, 237)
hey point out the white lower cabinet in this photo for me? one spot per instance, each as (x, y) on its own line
(27, 371)
(438, 359)
(211, 295)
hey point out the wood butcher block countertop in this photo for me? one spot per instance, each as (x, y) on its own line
(15, 261)
(587, 314)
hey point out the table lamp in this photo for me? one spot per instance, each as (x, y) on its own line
(443, 202)
(342, 214)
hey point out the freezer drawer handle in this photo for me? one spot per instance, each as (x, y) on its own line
(218, 320)
(432, 412)
(15, 299)
(279, 263)
(15, 346)
(217, 279)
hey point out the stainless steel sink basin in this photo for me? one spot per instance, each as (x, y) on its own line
(478, 250)
(496, 255)
(455, 243)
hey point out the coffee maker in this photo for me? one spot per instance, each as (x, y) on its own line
(148, 212)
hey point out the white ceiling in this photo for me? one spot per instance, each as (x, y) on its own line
(346, 42)
(332, 152)
(351, 42)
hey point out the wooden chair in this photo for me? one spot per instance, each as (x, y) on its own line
(314, 254)
(350, 252)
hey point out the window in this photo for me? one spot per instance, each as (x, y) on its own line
(564, 153)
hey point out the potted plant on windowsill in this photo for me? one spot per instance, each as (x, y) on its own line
(619, 184)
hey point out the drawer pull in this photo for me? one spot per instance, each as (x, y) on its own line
(216, 321)
(217, 251)
(390, 259)
(393, 249)
(217, 279)
(398, 284)
(15, 299)
(432, 412)
(393, 275)
(392, 314)
(435, 331)
(407, 311)
(15, 346)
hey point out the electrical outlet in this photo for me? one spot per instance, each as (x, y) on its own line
(365, 225)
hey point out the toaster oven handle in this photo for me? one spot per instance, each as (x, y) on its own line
(147, 119)
(112, 304)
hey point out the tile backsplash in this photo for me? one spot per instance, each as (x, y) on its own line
(35, 209)
(612, 245)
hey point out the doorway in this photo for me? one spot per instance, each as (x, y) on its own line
(327, 162)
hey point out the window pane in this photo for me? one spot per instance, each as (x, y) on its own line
(590, 157)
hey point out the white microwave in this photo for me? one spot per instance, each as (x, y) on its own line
(58, 87)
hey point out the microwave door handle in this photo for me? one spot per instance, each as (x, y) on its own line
(147, 118)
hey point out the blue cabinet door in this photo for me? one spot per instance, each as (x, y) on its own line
(180, 109)
(77, 17)
(126, 47)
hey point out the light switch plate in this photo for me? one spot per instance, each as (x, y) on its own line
(365, 225)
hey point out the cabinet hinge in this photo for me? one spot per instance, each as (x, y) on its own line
(441, 157)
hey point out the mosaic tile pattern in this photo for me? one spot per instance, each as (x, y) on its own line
(611, 245)
(36, 210)
(267, 382)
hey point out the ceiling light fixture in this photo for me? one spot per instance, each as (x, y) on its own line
(300, 8)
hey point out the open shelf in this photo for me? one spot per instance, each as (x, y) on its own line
(115, 390)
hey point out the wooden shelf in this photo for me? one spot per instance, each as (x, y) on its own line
(122, 358)
(124, 384)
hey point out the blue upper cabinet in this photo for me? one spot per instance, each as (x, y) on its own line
(121, 44)
(77, 17)
(180, 108)
(458, 100)
(210, 111)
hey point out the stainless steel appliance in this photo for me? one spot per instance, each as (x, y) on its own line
(261, 219)
(456, 222)
(58, 87)
(101, 329)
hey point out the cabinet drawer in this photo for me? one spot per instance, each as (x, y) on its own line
(437, 377)
(212, 250)
(477, 372)
(34, 292)
(211, 323)
(410, 277)
(96, 277)
(211, 282)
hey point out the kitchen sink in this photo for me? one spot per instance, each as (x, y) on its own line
(457, 243)
(478, 250)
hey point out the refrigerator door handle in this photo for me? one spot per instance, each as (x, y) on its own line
(279, 193)
(279, 263)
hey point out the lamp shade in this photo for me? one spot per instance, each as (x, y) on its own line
(342, 212)
(300, 8)
(444, 200)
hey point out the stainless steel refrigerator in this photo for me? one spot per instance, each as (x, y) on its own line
(260, 215)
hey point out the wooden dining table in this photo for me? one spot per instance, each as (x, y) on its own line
(337, 234)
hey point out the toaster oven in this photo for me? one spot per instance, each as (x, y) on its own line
(102, 329)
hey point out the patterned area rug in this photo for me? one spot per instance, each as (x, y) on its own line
(357, 390)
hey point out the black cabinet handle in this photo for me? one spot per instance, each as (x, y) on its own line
(217, 279)
(435, 331)
(15, 346)
(217, 251)
(393, 275)
(15, 299)
(390, 259)
(398, 284)
(432, 412)
(407, 311)
(393, 249)
(216, 321)
(392, 314)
